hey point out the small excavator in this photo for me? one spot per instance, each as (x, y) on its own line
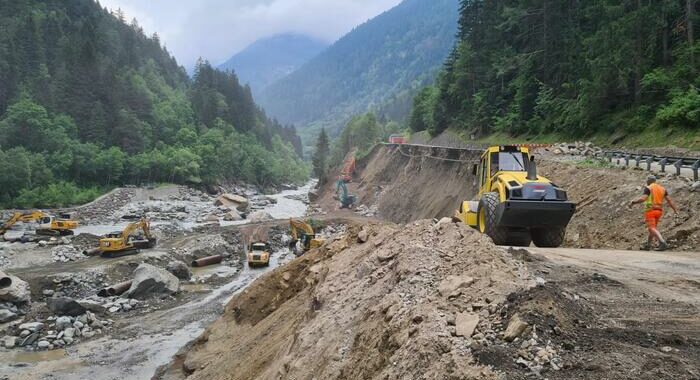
(302, 231)
(126, 242)
(48, 225)
(341, 190)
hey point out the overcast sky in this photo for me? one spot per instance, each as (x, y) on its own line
(217, 29)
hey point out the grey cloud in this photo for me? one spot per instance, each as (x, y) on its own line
(216, 29)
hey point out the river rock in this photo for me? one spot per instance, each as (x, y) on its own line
(152, 281)
(63, 323)
(32, 326)
(9, 341)
(93, 306)
(7, 315)
(451, 284)
(232, 216)
(179, 269)
(232, 201)
(695, 187)
(65, 306)
(43, 344)
(260, 216)
(16, 292)
(30, 339)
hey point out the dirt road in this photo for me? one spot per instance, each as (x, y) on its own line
(669, 275)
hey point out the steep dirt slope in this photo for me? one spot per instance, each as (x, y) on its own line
(384, 309)
(602, 219)
(406, 185)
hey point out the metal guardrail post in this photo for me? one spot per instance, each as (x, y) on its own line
(678, 165)
(695, 168)
(650, 160)
(663, 163)
(637, 160)
(627, 159)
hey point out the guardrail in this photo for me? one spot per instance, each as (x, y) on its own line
(679, 163)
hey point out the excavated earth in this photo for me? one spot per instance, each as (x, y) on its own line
(436, 300)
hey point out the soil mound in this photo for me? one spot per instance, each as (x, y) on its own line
(406, 303)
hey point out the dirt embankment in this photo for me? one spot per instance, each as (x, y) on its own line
(602, 219)
(404, 304)
(405, 185)
(408, 185)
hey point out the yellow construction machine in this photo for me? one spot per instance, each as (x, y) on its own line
(515, 206)
(302, 231)
(127, 242)
(259, 254)
(47, 224)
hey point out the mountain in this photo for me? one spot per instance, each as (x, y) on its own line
(88, 100)
(575, 69)
(396, 51)
(270, 59)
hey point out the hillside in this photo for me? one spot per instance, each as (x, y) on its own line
(397, 50)
(571, 69)
(87, 100)
(270, 59)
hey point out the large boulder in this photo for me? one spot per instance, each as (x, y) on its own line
(260, 216)
(13, 289)
(179, 269)
(232, 216)
(7, 315)
(150, 281)
(65, 306)
(232, 201)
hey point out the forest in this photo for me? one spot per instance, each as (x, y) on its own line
(88, 101)
(569, 68)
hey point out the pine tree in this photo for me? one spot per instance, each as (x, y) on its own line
(320, 159)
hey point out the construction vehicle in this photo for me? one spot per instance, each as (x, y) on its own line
(341, 191)
(47, 224)
(515, 206)
(304, 233)
(259, 254)
(127, 242)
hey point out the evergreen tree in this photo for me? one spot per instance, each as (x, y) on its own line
(321, 155)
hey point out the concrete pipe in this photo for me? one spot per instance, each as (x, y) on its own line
(114, 290)
(5, 281)
(92, 252)
(206, 261)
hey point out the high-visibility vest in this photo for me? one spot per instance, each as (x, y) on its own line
(655, 200)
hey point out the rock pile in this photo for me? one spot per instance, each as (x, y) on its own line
(578, 148)
(65, 253)
(95, 212)
(370, 211)
(56, 332)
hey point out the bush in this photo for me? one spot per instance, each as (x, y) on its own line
(61, 194)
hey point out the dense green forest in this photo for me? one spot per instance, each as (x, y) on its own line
(88, 101)
(573, 68)
(393, 53)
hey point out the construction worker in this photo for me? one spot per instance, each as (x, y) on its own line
(653, 199)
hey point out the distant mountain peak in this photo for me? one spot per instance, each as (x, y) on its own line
(272, 58)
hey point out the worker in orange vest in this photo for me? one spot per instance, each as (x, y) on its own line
(653, 199)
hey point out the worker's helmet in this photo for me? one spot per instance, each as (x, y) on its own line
(651, 179)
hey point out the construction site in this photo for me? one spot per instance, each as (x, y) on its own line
(420, 260)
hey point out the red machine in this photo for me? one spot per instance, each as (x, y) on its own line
(398, 139)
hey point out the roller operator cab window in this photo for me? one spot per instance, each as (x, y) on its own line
(508, 162)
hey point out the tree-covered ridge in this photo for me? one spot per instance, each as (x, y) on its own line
(89, 100)
(568, 67)
(398, 50)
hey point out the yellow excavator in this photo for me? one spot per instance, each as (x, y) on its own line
(302, 231)
(515, 205)
(47, 224)
(126, 242)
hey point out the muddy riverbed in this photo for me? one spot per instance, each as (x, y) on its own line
(136, 342)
